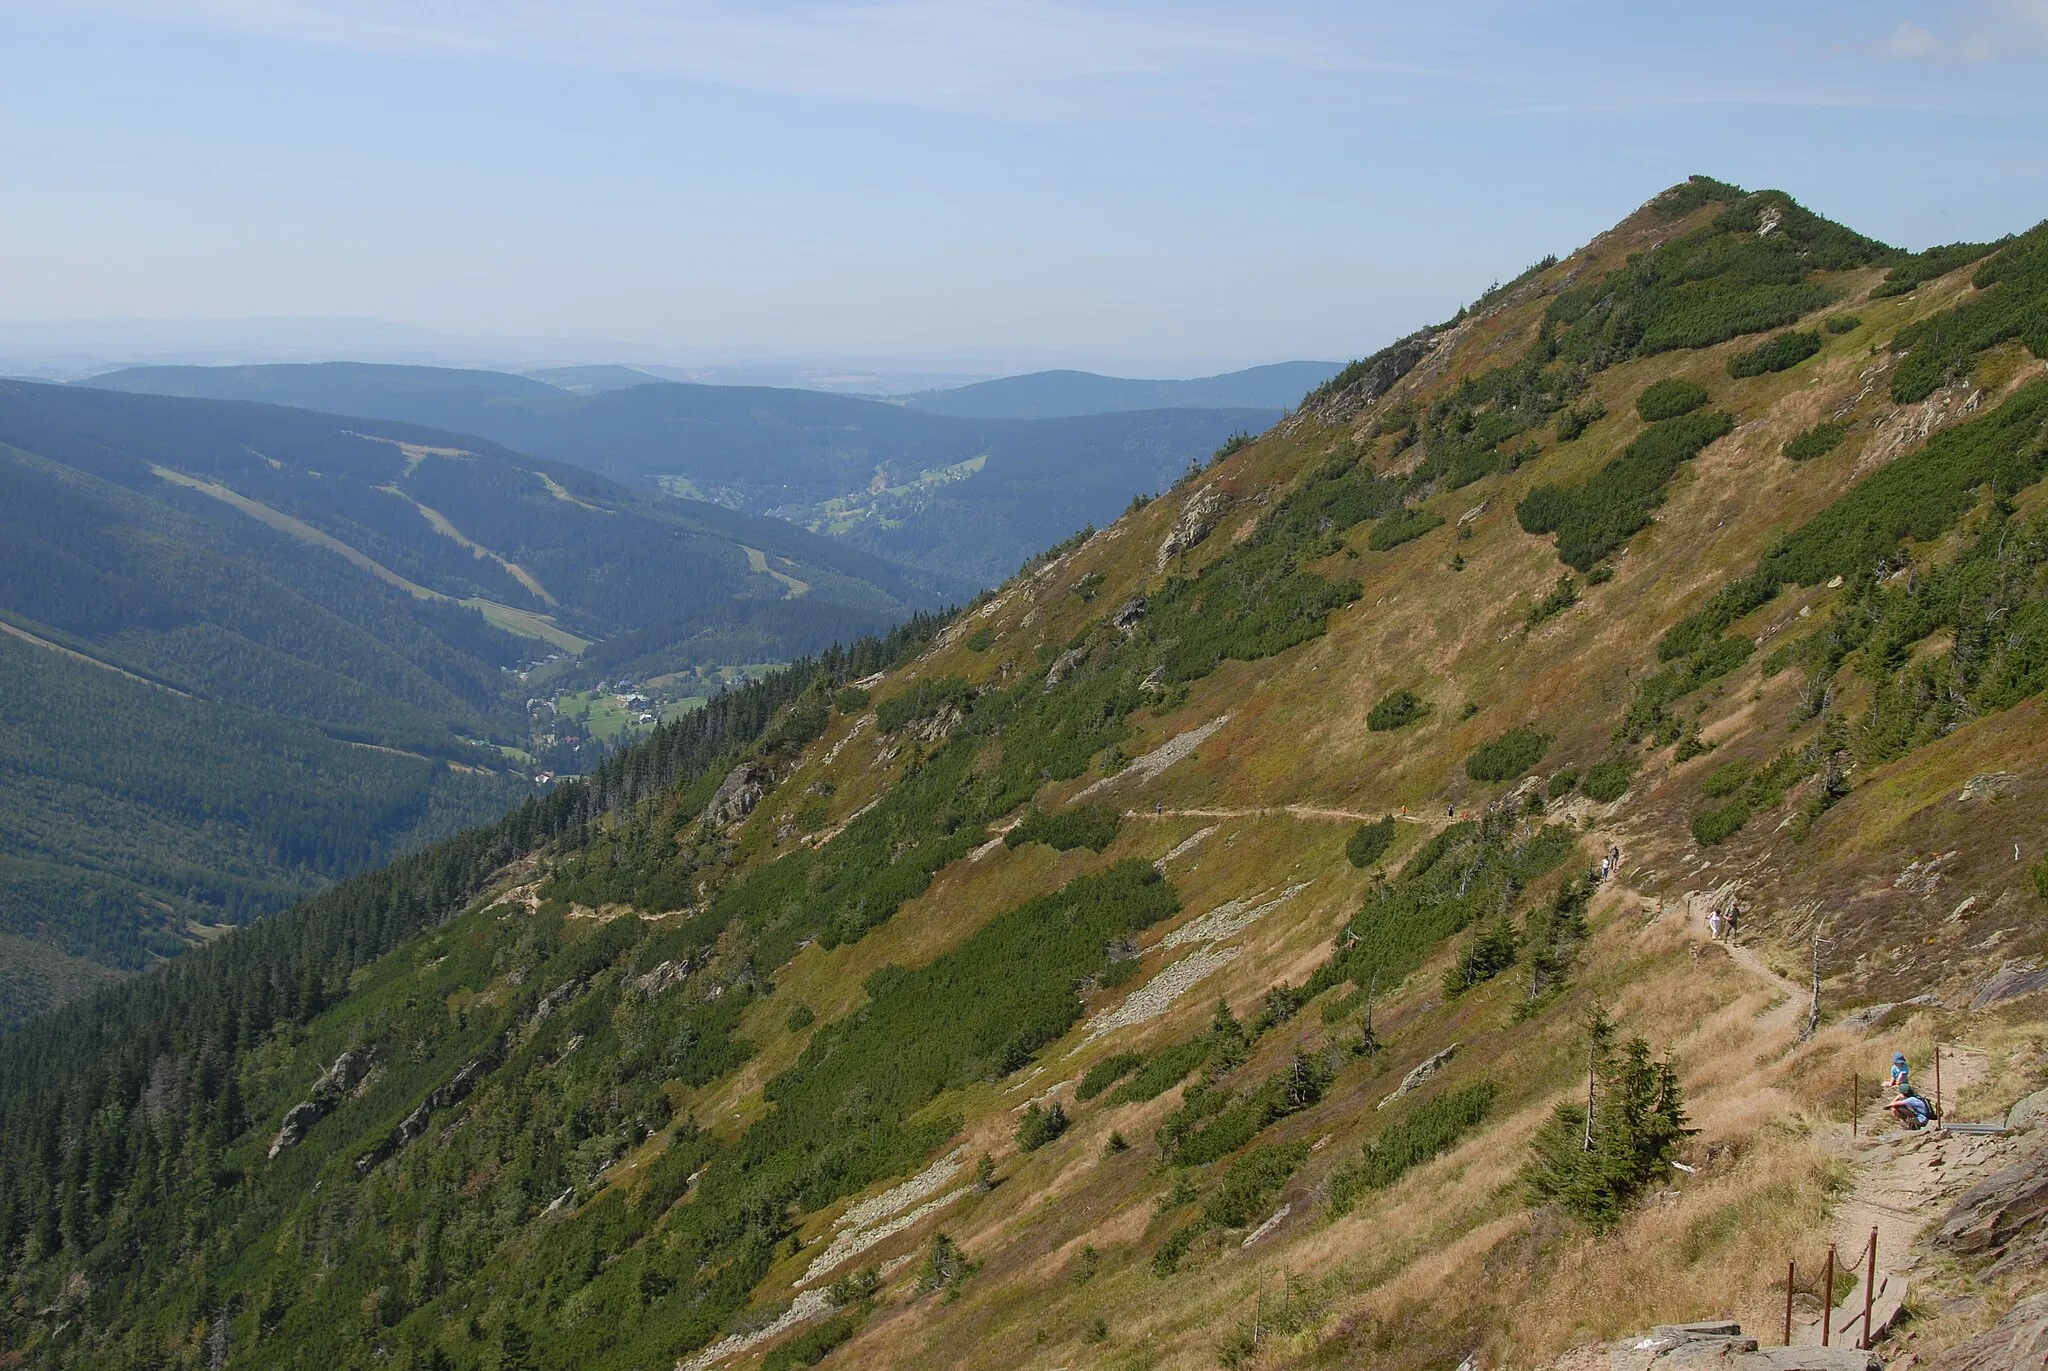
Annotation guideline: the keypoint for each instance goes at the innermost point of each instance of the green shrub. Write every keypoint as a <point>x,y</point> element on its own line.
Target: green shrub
<point>1040,1126</point>
<point>1467,872</point>
<point>1430,1129</point>
<point>1251,1183</point>
<point>1726,780</point>
<point>1593,519</point>
<point>1781,353</point>
<point>850,700</point>
<point>1638,1123</point>
<point>1185,1140</point>
<point>1917,497</point>
<point>801,1016</point>
<point>1489,952</point>
<point>1608,781</point>
<point>813,1345</point>
<point>1573,422</point>
<point>2040,874</point>
<point>1396,710</point>
<point>1162,1071</point>
<point>1817,441</point>
<point>1562,597</point>
<point>1508,756</point>
<point>921,701</point>
<point>1719,825</point>
<point>2010,301</point>
<point>1669,398</point>
<point>1908,275</point>
<point>1369,842</point>
<point>982,639</point>
<point>1716,282</point>
<point>1405,525</point>
<point>1563,784</point>
<point>1107,1073</point>
<point>1842,323</point>
<point>1091,826</point>
<point>1174,1250</point>
<point>1649,713</point>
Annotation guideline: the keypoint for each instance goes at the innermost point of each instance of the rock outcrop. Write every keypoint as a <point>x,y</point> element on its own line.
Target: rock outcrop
<point>1420,1074</point>
<point>2019,1339</point>
<point>1196,520</point>
<point>737,795</point>
<point>1717,1344</point>
<point>2002,1219</point>
<point>336,1081</point>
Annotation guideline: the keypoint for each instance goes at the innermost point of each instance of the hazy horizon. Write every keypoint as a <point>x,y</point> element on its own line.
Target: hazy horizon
<point>1001,186</point>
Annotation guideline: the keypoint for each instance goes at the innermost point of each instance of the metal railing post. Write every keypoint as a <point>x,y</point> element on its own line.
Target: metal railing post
<point>1827,1297</point>
<point>1869,1288</point>
<point>1791,1273</point>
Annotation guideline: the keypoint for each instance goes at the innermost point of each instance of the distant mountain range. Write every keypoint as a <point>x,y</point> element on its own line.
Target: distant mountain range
<point>1062,394</point>
<point>246,649</point>
<point>961,498</point>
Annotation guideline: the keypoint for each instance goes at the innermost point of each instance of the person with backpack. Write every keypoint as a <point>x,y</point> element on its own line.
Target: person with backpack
<point>1911,1110</point>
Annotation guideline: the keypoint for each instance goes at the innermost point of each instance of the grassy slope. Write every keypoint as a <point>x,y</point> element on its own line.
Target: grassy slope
<point>1376,1282</point>
<point>1449,1259</point>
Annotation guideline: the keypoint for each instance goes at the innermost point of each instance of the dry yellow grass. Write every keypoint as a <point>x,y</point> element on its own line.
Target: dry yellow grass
<point>1449,1259</point>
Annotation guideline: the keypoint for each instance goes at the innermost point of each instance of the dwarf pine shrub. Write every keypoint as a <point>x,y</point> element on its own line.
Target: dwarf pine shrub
<point>1369,842</point>
<point>1508,756</point>
<point>1669,398</point>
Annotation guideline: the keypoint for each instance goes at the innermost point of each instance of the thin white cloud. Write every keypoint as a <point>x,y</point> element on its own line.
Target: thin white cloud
<point>1908,42</point>
<point>1984,31</point>
<point>907,51</point>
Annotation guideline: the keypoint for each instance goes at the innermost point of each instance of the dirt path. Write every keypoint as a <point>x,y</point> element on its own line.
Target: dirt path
<point>1903,1181</point>
<point>1267,811</point>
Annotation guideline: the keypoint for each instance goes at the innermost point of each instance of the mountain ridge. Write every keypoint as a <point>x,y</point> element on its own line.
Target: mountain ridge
<point>845,466</point>
<point>699,1066</point>
<point>1069,394</point>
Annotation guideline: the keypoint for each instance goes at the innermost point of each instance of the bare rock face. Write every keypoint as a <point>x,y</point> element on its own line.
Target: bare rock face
<point>2018,1339</point>
<point>299,1118</point>
<point>2002,1218</point>
<point>1063,664</point>
<point>737,795</point>
<point>1128,615</point>
<point>1421,1073</point>
<point>939,725</point>
<point>1380,373</point>
<point>1197,518</point>
<point>336,1081</point>
<point>1716,1345</point>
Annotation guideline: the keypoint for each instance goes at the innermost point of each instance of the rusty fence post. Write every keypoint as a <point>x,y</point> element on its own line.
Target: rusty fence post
<point>1791,1274</point>
<point>1937,1081</point>
<point>1855,1089</point>
<point>1827,1297</point>
<point>1869,1288</point>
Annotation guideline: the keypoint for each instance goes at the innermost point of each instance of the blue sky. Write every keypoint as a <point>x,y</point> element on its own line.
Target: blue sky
<point>1136,186</point>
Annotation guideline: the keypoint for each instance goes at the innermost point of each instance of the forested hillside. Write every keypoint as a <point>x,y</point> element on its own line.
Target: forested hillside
<point>246,651</point>
<point>1269,932</point>
<point>963,499</point>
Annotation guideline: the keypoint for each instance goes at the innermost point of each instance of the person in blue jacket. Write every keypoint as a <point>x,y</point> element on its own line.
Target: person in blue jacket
<point>1911,1110</point>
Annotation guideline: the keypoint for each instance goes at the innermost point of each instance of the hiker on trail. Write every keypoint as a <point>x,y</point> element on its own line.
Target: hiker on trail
<point>1603,868</point>
<point>1714,923</point>
<point>1901,1077</point>
<point>1733,910</point>
<point>1911,1110</point>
